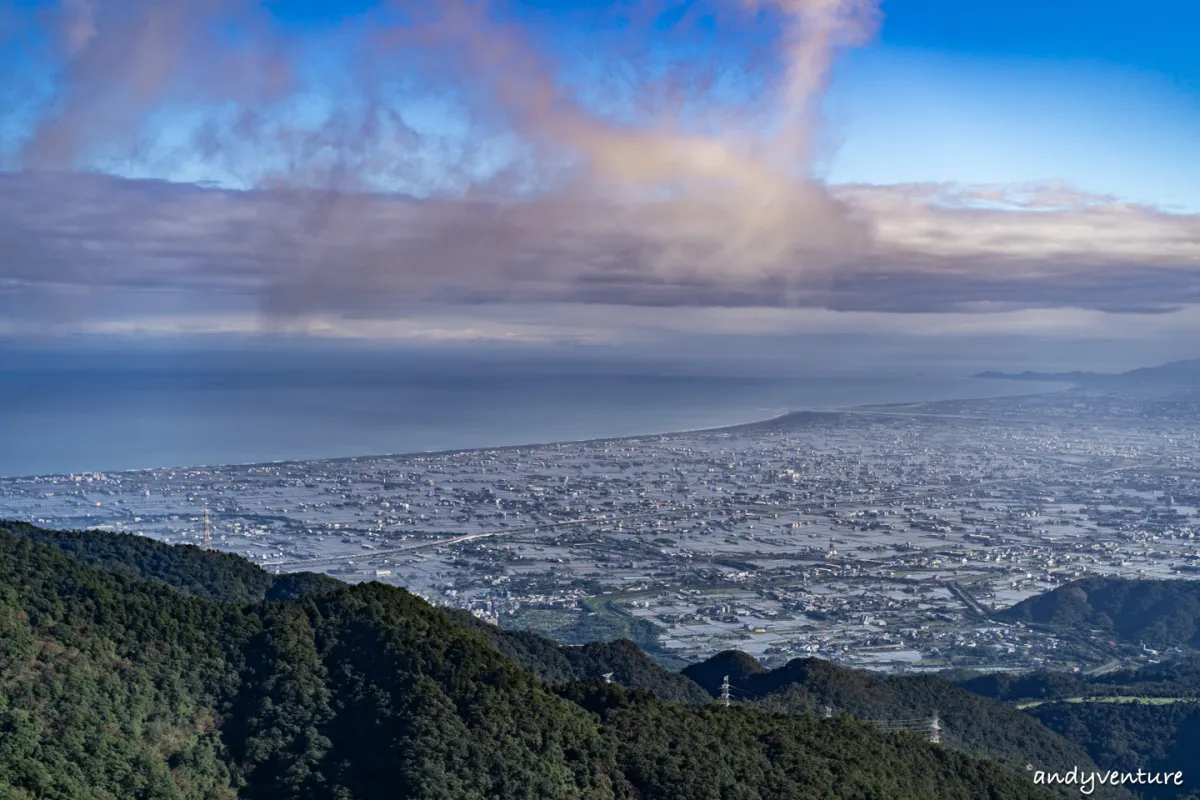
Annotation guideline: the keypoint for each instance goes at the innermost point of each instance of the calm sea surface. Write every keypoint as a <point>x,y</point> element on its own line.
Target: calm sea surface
<point>103,413</point>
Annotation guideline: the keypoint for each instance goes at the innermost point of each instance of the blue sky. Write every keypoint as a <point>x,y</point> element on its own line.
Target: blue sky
<point>512,173</point>
<point>1105,95</point>
<point>1157,36</point>
<point>912,115</point>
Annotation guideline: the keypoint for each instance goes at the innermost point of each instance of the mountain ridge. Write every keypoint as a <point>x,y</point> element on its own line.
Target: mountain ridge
<point>118,685</point>
<point>974,723</point>
<point>1160,613</point>
<point>1174,373</point>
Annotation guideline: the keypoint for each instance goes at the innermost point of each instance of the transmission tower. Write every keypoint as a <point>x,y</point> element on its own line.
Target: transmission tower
<point>206,531</point>
<point>607,677</point>
<point>725,692</point>
<point>827,712</point>
<point>935,729</point>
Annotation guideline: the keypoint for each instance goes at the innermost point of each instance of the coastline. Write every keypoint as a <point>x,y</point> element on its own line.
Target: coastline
<point>791,414</point>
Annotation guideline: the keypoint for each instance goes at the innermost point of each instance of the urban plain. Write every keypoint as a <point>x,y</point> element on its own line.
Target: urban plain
<point>878,537</point>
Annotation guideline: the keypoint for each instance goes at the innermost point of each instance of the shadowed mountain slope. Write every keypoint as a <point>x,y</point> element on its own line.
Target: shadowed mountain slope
<point>116,686</point>
<point>1160,613</point>
<point>970,722</point>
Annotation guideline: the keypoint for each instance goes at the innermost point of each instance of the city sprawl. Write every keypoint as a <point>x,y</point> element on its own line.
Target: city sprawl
<point>879,537</point>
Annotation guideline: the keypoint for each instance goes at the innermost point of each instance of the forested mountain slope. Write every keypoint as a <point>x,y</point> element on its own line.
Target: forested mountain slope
<point>1128,736</point>
<point>116,686</point>
<point>1160,613</point>
<point>187,569</point>
<point>973,723</point>
<point>1174,678</point>
<point>230,578</point>
<point>555,663</point>
<point>1127,719</point>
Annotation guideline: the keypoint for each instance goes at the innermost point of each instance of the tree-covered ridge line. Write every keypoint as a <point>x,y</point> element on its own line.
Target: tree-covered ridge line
<point>1119,717</point>
<point>1156,738</point>
<point>1176,678</point>
<point>227,577</point>
<point>975,724</point>
<point>1161,613</point>
<point>190,570</point>
<point>119,686</point>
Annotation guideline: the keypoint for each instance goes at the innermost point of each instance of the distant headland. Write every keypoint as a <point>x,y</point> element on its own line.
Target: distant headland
<point>1173,374</point>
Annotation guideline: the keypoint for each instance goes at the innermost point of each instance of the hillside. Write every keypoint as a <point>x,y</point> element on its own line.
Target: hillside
<point>191,571</point>
<point>118,686</point>
<point>1176,678</point>
<point>970,722</point>
<point>229,578</point>
<point>1128,719</point>
<point>1160,613</point>
<point>1173,374</point>
<point>555,663</point>
<point>1129,736</point>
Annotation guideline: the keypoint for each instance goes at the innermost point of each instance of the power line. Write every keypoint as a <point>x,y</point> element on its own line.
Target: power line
<point>206,531</point>
<point>931,726</point>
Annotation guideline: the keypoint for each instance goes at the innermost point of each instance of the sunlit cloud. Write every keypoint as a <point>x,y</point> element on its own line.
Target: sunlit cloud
<point>458,158</point>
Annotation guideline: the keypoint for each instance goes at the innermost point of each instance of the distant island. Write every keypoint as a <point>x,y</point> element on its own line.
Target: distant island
<point>1173,374</point>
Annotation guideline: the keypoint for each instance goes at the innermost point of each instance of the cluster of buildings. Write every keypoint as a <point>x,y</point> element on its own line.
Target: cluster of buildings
<point>879,536</point>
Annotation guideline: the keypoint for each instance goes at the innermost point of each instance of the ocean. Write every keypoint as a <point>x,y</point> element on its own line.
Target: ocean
<point>83,412</point>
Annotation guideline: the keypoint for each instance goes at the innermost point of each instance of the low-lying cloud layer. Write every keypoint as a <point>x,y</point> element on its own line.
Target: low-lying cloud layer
<point>533,186</point>
<point>304,251</point>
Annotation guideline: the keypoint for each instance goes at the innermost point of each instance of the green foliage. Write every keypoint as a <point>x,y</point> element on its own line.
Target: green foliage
<point>670,753</point>
<point>1160,613</point>
<point>109,691</point>
<point>630,666</point>
<point>1177,678</point>
<point>115,685</point>
<point>1132,736</point>
<point>979,725</point>
<point>294,585</point>
<point>188,569</point>
<point>1039,685</point>
<point>556,663</point>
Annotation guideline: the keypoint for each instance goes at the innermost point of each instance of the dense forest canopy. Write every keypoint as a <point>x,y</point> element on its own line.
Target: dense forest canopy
<point>1158,613</point>
<point>1174,678</point>
<point>1128,736</point>
<point>124,676</point>
<point>968,721</point>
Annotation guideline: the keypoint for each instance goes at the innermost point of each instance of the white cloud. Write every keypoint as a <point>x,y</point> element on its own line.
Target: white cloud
<point>593,211</point>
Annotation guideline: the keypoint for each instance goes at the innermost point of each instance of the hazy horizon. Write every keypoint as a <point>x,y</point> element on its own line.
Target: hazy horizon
<point>736,191</point>
<point>88,411</point>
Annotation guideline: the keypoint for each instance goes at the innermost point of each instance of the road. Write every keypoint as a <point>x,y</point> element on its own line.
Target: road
<point>425,544</point>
